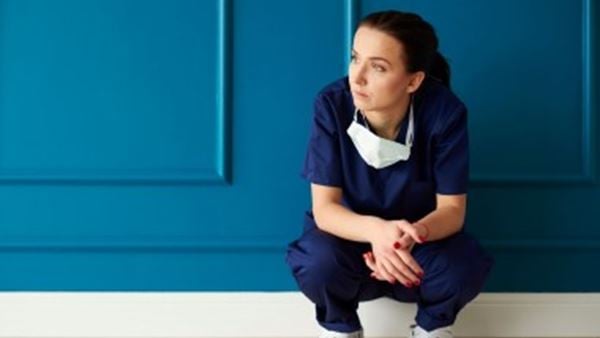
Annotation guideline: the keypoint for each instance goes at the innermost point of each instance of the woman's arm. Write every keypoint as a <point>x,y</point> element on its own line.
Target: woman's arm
<point>331,216</point>
<point>448,217</point>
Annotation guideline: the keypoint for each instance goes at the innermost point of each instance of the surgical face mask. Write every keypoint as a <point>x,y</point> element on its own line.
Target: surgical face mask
<point>379,152</point>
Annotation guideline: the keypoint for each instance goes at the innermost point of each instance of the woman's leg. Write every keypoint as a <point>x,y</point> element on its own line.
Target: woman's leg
<point>455,271</point>
<point>331,272</point>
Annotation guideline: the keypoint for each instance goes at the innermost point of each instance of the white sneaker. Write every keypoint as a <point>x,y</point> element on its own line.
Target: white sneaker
<point>442,332</point>
<point>333,334</point>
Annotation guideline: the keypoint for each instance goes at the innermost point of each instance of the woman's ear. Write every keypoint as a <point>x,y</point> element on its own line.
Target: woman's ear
<point>415,82</point>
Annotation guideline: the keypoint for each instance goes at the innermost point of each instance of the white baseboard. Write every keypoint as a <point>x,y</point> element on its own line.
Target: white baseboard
<point>277,314</point>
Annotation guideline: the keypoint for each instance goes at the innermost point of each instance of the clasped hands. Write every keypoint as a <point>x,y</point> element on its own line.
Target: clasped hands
<point>391,259</point>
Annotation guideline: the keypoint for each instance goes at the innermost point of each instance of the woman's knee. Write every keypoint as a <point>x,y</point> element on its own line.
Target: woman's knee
<point>317,259</point>
<point>463,264</point>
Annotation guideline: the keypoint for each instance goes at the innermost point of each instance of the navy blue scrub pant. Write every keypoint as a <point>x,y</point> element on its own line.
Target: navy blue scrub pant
<point>331,272</point>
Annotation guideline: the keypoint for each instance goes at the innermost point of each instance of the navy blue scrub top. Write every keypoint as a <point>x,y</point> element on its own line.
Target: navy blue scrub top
<point>438,163</point>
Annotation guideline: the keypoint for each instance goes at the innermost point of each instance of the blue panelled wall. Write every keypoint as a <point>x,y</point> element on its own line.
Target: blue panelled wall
<point>157,145</point>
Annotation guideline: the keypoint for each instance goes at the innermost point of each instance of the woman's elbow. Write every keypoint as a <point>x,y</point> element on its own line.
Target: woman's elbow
<point>320,213</point>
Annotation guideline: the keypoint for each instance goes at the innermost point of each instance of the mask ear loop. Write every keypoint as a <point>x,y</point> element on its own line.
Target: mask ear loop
<point>410,131</point>
<point>363,117</point>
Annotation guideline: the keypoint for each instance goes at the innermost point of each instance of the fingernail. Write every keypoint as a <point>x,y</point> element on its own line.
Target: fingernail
<point>423,239</point>
<point>397,245</point>
<point>417,282</point>
<point>420,273</point>
<point>409,285</point>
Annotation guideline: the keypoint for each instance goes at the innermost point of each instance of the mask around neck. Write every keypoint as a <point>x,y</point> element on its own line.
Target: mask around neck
<point>379,152</point>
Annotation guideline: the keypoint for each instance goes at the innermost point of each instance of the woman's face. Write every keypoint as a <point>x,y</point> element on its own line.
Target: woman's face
<point>377,74</point>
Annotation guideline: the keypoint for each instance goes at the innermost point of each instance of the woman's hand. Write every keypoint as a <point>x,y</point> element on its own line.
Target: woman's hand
<point>413,233</point>
<point>391,259</point>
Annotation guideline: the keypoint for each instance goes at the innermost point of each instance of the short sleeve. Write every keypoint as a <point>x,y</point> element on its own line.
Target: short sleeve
<point>322,161</point>
<point>451,155</point>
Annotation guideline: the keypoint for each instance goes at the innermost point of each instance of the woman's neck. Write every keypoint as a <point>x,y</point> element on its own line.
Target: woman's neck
<point>386,123</point>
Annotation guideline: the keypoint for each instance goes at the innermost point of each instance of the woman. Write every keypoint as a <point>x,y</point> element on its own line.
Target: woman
<point>388,165</point>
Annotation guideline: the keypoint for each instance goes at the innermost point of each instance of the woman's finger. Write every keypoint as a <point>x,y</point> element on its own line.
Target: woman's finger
<point>370,261</point>
<point>404,242</point>
<point>422,230</point>
<point>387,269</point>
<point>411,263</point>
<point>407,228</point>
<point>382,269</point>
<point>402,272</point>
<point>415,235</point>
<point>377,276</point>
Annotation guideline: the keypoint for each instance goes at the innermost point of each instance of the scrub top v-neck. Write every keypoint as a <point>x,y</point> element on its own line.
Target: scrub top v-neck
<point>438,163</point>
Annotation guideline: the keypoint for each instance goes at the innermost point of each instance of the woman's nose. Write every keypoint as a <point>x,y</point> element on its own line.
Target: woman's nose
<point>358,76</point>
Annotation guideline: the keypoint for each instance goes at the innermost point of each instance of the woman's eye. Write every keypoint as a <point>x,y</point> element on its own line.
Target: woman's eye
<point>379,68</point>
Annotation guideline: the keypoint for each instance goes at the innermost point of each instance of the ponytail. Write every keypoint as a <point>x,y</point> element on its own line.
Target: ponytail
<point>440,69</point>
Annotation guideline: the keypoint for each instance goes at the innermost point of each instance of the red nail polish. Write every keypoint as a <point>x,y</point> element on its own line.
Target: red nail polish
<point>397,245</point>
<point>422,238</point>
<point>417,283</point>
<point>409,285</point>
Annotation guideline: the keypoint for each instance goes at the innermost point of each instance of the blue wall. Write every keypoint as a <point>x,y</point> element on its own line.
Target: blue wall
<point>156,145</point>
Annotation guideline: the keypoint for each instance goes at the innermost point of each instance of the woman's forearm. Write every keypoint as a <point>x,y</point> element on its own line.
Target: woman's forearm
<point>338,220</point>
<point>342,222</point>
<point>443,222</point>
